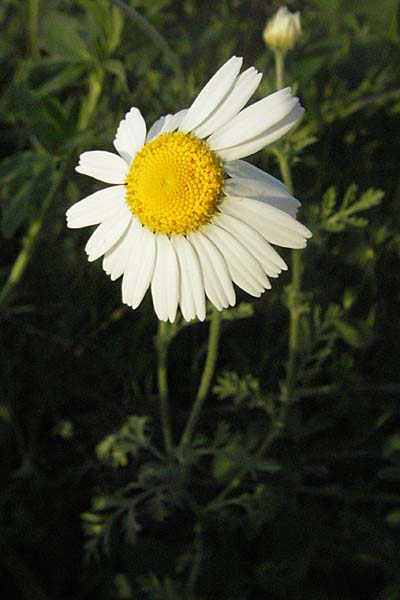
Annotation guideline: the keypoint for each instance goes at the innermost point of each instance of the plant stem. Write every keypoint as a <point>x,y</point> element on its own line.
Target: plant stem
<point>279,68</point>
<point>208,372</point>
<point>294,311</point>
<point>162,343</point>
<point>29,242</point>
<point>294,307</point>
<point>154,35</point>
<point>198,551</point>
<point>89,103</point>
<point>241,472</point>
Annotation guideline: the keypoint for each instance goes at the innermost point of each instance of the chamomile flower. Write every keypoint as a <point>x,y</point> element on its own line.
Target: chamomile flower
<point>283,30</point>
<point>184,215</point>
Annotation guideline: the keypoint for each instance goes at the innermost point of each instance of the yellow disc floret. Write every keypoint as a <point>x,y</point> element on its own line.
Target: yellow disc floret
<point>174,184</point>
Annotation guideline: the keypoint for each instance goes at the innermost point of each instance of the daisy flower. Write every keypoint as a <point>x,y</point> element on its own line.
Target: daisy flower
<point>184,214</point>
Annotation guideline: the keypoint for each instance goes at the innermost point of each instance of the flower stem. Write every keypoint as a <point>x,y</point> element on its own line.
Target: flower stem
<point>162,343</point>
<point>294,308</point>
<point>29,242</point>
<point>279,68</point>
<point>208,372</point>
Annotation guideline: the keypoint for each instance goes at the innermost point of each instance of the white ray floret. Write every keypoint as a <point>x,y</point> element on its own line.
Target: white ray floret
<point>116,259</point>
<point>104,166</point>
<point>165,281</point>
<point>185,217</point>
<point>244,87</point>
<point>96,208</point>
<point>212,94</point>
<point>108,233</point>
<point>254,120</point>
<point>131,134</point>
<point>243,268</point>
<point>140,269</point>
<point>217,282</point>
<point>192,299</point>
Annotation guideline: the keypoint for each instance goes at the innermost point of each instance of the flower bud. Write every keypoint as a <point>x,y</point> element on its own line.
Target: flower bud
<point>282,31</point>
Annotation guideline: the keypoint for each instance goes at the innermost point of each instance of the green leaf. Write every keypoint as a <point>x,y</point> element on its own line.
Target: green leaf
<point>355,333</point>
<point>68,75</point>
<point>61,38</point>
<point>24,180</point>
<point>244,310</point>
<point>117,68</point>
<point>131,527</point>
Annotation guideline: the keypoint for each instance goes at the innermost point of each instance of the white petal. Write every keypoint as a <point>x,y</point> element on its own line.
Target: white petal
<point>267,256</point>
<point>192,299</point>
<point>254,120</point>
<point>276,226</point>
<point>158,127</point>
<point>116,259</point>
<point>108,233</point>
<point>96,208</point>
<point>140,267</point>
<point>131,134</point>
<point>212,94</point>
<point>270,136</point>
<point>165,282</point>
<point>242,90</point>
<point>243,268</point>
<point>264,191</point>
<point>243,169</point>
<point>217,282</point>
<point>165,124</point>
<point>104,166</point>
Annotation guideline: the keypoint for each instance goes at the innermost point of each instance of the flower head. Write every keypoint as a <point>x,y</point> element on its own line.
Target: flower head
<point>184,214</point>
<point>282,31</point>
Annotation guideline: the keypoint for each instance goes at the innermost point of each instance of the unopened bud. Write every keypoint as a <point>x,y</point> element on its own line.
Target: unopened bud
<point>282,31</point>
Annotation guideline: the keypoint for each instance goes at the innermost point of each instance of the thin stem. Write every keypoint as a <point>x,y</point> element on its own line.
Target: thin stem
<point>89,103</point>
<point>288,394</point>
<point>162,343</point>
<point>198,551</point>
<point>241,472</point>
<point>279,69</point>
<point>294,330</point>
<point>29,242</point>
<point>208,372</point>
<point>154,35</point>
<point>286,171</point>
<point>294,306</point>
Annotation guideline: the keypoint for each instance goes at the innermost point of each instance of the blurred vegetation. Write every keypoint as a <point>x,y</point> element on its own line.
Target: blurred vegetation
<point>275,498</point>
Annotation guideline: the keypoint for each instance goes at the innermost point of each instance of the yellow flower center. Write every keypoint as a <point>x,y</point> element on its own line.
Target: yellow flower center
<point>174,184</point>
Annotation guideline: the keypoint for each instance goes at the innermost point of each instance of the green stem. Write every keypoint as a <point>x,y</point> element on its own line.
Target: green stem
<point>294,306</point>
<point>29,242</point>
<point>279,68</point>
<point>241,472</point>
<point>198,552</point>
<point>154,35</point>
<point>89,103</point>
<point>163,341</point>
<point>288,395</point>
<point>208,372</point>
<point>32,26</point>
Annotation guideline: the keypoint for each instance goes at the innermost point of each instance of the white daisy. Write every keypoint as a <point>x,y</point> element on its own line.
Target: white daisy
<point>185,215</point>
